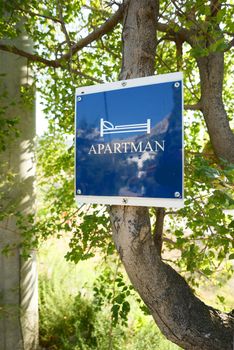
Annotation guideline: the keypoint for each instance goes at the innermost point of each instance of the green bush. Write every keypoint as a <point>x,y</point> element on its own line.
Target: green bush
<point>144,335</point>
<point>76,308</point>
<point>70,322</point>
<point>66,323</point>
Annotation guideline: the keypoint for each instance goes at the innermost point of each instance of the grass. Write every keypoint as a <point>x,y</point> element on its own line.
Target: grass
<point>68,317</point>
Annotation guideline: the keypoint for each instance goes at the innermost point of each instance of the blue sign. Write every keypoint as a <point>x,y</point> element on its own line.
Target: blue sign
<point>129,142</point>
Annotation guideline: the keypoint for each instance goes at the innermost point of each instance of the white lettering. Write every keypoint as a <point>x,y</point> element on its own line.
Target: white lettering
<point>117,148</point>
<point>107,149</point>
<point>100,147</point>
<point>148,147</point>
<point>127,147</point>
<point>92,149</point>
<point>137,148</point>
<point>157,144</point>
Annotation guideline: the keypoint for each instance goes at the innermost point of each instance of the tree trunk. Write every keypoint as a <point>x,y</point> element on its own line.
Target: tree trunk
<point>18,277</point>
<point>211,75</point>
<point>181,316</point>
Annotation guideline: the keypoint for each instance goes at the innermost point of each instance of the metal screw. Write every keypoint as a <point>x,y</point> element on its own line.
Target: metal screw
<point>123,83</point>
<point>177,194</point>
<point>125,201</point>
<point>79,99</point>
<point>177,84</point>
<point>78,191</point>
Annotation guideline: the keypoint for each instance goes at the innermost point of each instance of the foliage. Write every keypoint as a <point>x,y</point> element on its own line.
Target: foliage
<point>208,182</point>
<point>202,228</point>
<point>111,289</point>
<point>65,322</point>
<point>144,336</point>
<point>76,319</point>
<point>199,237</point>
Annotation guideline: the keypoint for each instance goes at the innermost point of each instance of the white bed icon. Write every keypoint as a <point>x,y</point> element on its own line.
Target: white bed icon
<point>108,128</point>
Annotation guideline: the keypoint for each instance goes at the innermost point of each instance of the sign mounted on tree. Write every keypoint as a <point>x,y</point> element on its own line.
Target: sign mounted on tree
<point>129,142</point>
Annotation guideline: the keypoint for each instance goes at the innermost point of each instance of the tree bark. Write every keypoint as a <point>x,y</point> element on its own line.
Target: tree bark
<point>139,38</point>
<point>211,70</point>
<point>18,277</point>
<point>182,317</point>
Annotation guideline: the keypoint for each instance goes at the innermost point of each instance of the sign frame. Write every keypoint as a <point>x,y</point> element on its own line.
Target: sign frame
<point>178,201</point>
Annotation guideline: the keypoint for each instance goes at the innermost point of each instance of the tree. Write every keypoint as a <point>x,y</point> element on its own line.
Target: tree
<point>194,27</point>
<point>18,273</point>
<point>181,316</point>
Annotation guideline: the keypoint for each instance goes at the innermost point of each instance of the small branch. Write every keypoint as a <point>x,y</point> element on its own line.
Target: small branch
<point>168,240</point>
<point>190,16</point>
<point>158,230</point>
<point>67,37</point>
<point>63,26</point>
<point>171,213</point>
<point>86,76</point>
<point>192,88</point>
<point>107,49</point>
<point>227,32</point>
<point>215,7</point>
<point>72,214</point>
<point>113,296</point>
<point>161,14</point>
<point>99,10</point>
<point>179,53</point>
<point>95,35</point>
<point>169,260</point>
<point>36,14</point>
<point>183,33</point>
<point>31,57</point>
<point>163,62</point>
<point>164,38</point>
<point>193,107</point>
<point>229,45</point>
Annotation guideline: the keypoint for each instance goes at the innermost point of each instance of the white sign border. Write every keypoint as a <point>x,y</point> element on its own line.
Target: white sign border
<point>129,83</point>
<point>133,201</point>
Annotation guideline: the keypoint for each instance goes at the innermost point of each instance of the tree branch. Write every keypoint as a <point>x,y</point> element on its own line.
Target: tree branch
<point>194,107</point>
<point>66,34</point>
<point>179,53</point>
<point>158,230</point>
<point>36,14</point>
<point>180,315</point>
<point>168,240</point>
<point>215,7</point>
<point>189,15</point>
<point>30,56</point>
<point>99,10</point>
<point>183,33</point>
<point>95,35</point>
<point>86,76</point>
<point>63,26</point>
<point>229,45</point>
